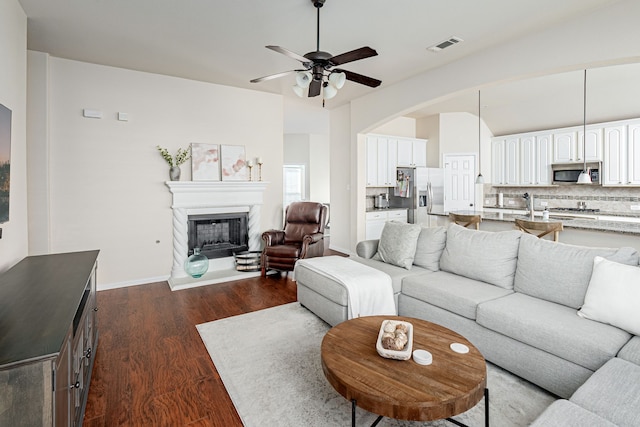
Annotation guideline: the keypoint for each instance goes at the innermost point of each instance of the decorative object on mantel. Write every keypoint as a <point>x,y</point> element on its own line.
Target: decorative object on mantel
<point>479,178</point>
<point>250,166</point>
<point>233,163</point>
<point>585,175</point>
<point>182,155</point>
<point>205,162</point>
<point>260,163</point>
<point>197,264</point>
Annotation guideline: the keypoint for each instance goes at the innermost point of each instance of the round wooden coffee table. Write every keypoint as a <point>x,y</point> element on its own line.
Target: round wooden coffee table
<point>451,385</point>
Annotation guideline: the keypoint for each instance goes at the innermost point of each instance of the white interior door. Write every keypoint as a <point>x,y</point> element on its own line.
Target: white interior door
<point>460,178</point>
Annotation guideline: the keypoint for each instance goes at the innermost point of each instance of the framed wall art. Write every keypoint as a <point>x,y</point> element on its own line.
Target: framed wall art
<point>233,163</point>
<point>205,162</point>
<point>5,162</point>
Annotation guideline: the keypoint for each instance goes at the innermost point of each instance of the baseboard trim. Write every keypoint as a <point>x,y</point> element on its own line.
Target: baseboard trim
<point>116,285</point>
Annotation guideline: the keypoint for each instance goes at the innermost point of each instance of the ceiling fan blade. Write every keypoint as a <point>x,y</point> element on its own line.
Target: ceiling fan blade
<point>359,78</point>
<point>354,55</point>
<point>288,53</point>
<point>314,88</point>
<point>272,76</point>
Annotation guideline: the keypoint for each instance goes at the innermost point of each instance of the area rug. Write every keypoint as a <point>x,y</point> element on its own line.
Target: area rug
<point>269,361</point>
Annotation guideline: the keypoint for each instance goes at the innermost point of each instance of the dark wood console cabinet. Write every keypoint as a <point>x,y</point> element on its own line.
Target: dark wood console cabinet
<point>48,339</point>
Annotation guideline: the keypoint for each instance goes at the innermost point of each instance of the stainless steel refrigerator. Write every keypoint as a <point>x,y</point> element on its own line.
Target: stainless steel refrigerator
<point>421,191</point>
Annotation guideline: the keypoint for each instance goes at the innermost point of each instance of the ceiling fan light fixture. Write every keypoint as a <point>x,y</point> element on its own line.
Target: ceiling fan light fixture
<point>303,79</point>
<point>337,79</point>
<point>299,91</point>
<point>329,91</point>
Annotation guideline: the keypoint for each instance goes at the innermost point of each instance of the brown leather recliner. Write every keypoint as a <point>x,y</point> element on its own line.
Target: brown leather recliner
<point>302,237</point>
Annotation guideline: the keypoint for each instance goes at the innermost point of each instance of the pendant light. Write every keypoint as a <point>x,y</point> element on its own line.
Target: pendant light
<point>479,178</point>
<point>585,176</point>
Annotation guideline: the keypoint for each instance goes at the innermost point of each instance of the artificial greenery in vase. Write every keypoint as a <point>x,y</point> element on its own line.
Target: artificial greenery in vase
<point>182,155</point>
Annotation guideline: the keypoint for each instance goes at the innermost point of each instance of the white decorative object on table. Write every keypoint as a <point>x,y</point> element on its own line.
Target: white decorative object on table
<point>385,328</point>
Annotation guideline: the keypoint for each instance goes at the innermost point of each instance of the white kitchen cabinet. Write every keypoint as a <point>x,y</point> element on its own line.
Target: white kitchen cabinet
<point>543,147</point>
<point>372,161</point>
<point>593,145</point>
<point>633,148</point>
<point>528,160</point>
<point>381,161</point>
<point>412,152</point>
<point>512,161</point>
<point>375,221</point>
<point>564,147</point>
<point>615,155</point>
<point>497,161</point>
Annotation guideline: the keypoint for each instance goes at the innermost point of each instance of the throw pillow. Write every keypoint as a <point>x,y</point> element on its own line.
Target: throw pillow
<point>397,244</point>
<point>430,245</point>
<point>613,295</point>
<point>488,256</point>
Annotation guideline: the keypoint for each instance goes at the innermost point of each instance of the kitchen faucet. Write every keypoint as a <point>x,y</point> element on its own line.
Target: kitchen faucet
<point>529,200</point>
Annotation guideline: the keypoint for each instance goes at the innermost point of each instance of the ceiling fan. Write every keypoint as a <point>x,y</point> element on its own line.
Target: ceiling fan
<point>318,72</point>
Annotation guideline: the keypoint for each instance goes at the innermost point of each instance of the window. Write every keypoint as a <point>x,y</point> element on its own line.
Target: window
<point>294,184</point>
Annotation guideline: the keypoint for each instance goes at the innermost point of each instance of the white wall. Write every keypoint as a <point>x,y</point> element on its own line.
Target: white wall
<point>320,159</point>
<point>106,177</point>
<point>400,126</point>
<point>13,94</point>
<point>343,199</point>
<point>605,36</point>
<point>429,128</point>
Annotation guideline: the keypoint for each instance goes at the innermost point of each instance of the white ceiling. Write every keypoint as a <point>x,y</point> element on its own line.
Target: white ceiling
<point>222,41</point>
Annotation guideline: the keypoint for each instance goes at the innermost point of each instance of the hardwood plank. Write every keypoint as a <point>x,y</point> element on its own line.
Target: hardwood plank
<point>151,366</point>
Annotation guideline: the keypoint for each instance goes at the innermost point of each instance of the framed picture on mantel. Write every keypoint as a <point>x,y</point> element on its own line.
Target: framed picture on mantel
<point>205,162</point>
<point>234,167</point>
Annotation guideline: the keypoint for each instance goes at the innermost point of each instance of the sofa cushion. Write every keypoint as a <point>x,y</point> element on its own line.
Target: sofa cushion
<point>613,295</point>
<point>430,245</point>
<point>553,328</point>
<point>559,272</point>
<point>457,294</point>
<point>397,244</point>
<point>613,392</point>
<point>397,273</point>
<point>631,351</point>
<point>482,255</point>
<point>567,414</point>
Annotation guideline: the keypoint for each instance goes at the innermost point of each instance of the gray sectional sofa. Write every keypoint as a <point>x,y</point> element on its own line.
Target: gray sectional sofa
<point>519,299</point>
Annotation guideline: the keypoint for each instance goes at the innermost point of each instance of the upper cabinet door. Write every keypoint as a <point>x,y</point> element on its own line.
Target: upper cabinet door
<point>372,161</point>
<point>593,145</point>
<point>633,145</point>
<point>405,152</point>
<point>420,153</point>
<point>543,159</point>
<point>528,160</point>
<point>512,161</point>
<point>615,151</point>
<point>497,161</point>
<point>564,147</point>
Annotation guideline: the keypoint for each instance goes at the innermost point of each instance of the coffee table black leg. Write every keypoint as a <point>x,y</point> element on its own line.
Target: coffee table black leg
<point>353,415</point>
<point>486,412</point>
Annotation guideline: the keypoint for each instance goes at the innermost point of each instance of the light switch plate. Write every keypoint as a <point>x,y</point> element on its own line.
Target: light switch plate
<point>92,114</point>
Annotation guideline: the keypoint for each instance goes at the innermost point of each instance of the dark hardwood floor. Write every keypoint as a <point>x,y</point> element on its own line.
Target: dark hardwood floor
<point>151,367</point>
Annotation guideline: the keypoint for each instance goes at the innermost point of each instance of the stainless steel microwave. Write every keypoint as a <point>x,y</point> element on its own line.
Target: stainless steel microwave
<point>568,173</point>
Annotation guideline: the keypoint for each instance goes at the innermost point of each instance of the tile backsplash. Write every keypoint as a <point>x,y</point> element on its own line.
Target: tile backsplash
<point>607,199</point>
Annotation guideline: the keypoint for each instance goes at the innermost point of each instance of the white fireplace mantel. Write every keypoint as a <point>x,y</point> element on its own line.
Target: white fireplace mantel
<point>192,197</point>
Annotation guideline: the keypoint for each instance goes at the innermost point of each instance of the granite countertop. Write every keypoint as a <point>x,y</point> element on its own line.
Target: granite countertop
<point>576,212</point>
<point>385,209</point>
<point>575,222</point>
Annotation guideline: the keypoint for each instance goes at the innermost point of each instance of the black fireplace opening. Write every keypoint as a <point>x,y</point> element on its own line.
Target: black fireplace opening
<point>218,235</point>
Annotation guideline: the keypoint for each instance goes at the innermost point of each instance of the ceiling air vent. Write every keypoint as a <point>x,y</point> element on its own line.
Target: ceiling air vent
<point>445,44</point>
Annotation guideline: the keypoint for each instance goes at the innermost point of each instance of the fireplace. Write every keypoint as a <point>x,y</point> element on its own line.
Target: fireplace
<point>218,235</point>
<point>220,210</point>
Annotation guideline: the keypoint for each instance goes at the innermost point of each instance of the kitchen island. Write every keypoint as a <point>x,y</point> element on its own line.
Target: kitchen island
<point>599,230</point>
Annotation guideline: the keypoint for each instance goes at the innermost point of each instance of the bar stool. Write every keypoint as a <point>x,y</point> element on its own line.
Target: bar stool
<point>540,228</point>
<point>466,220</point>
